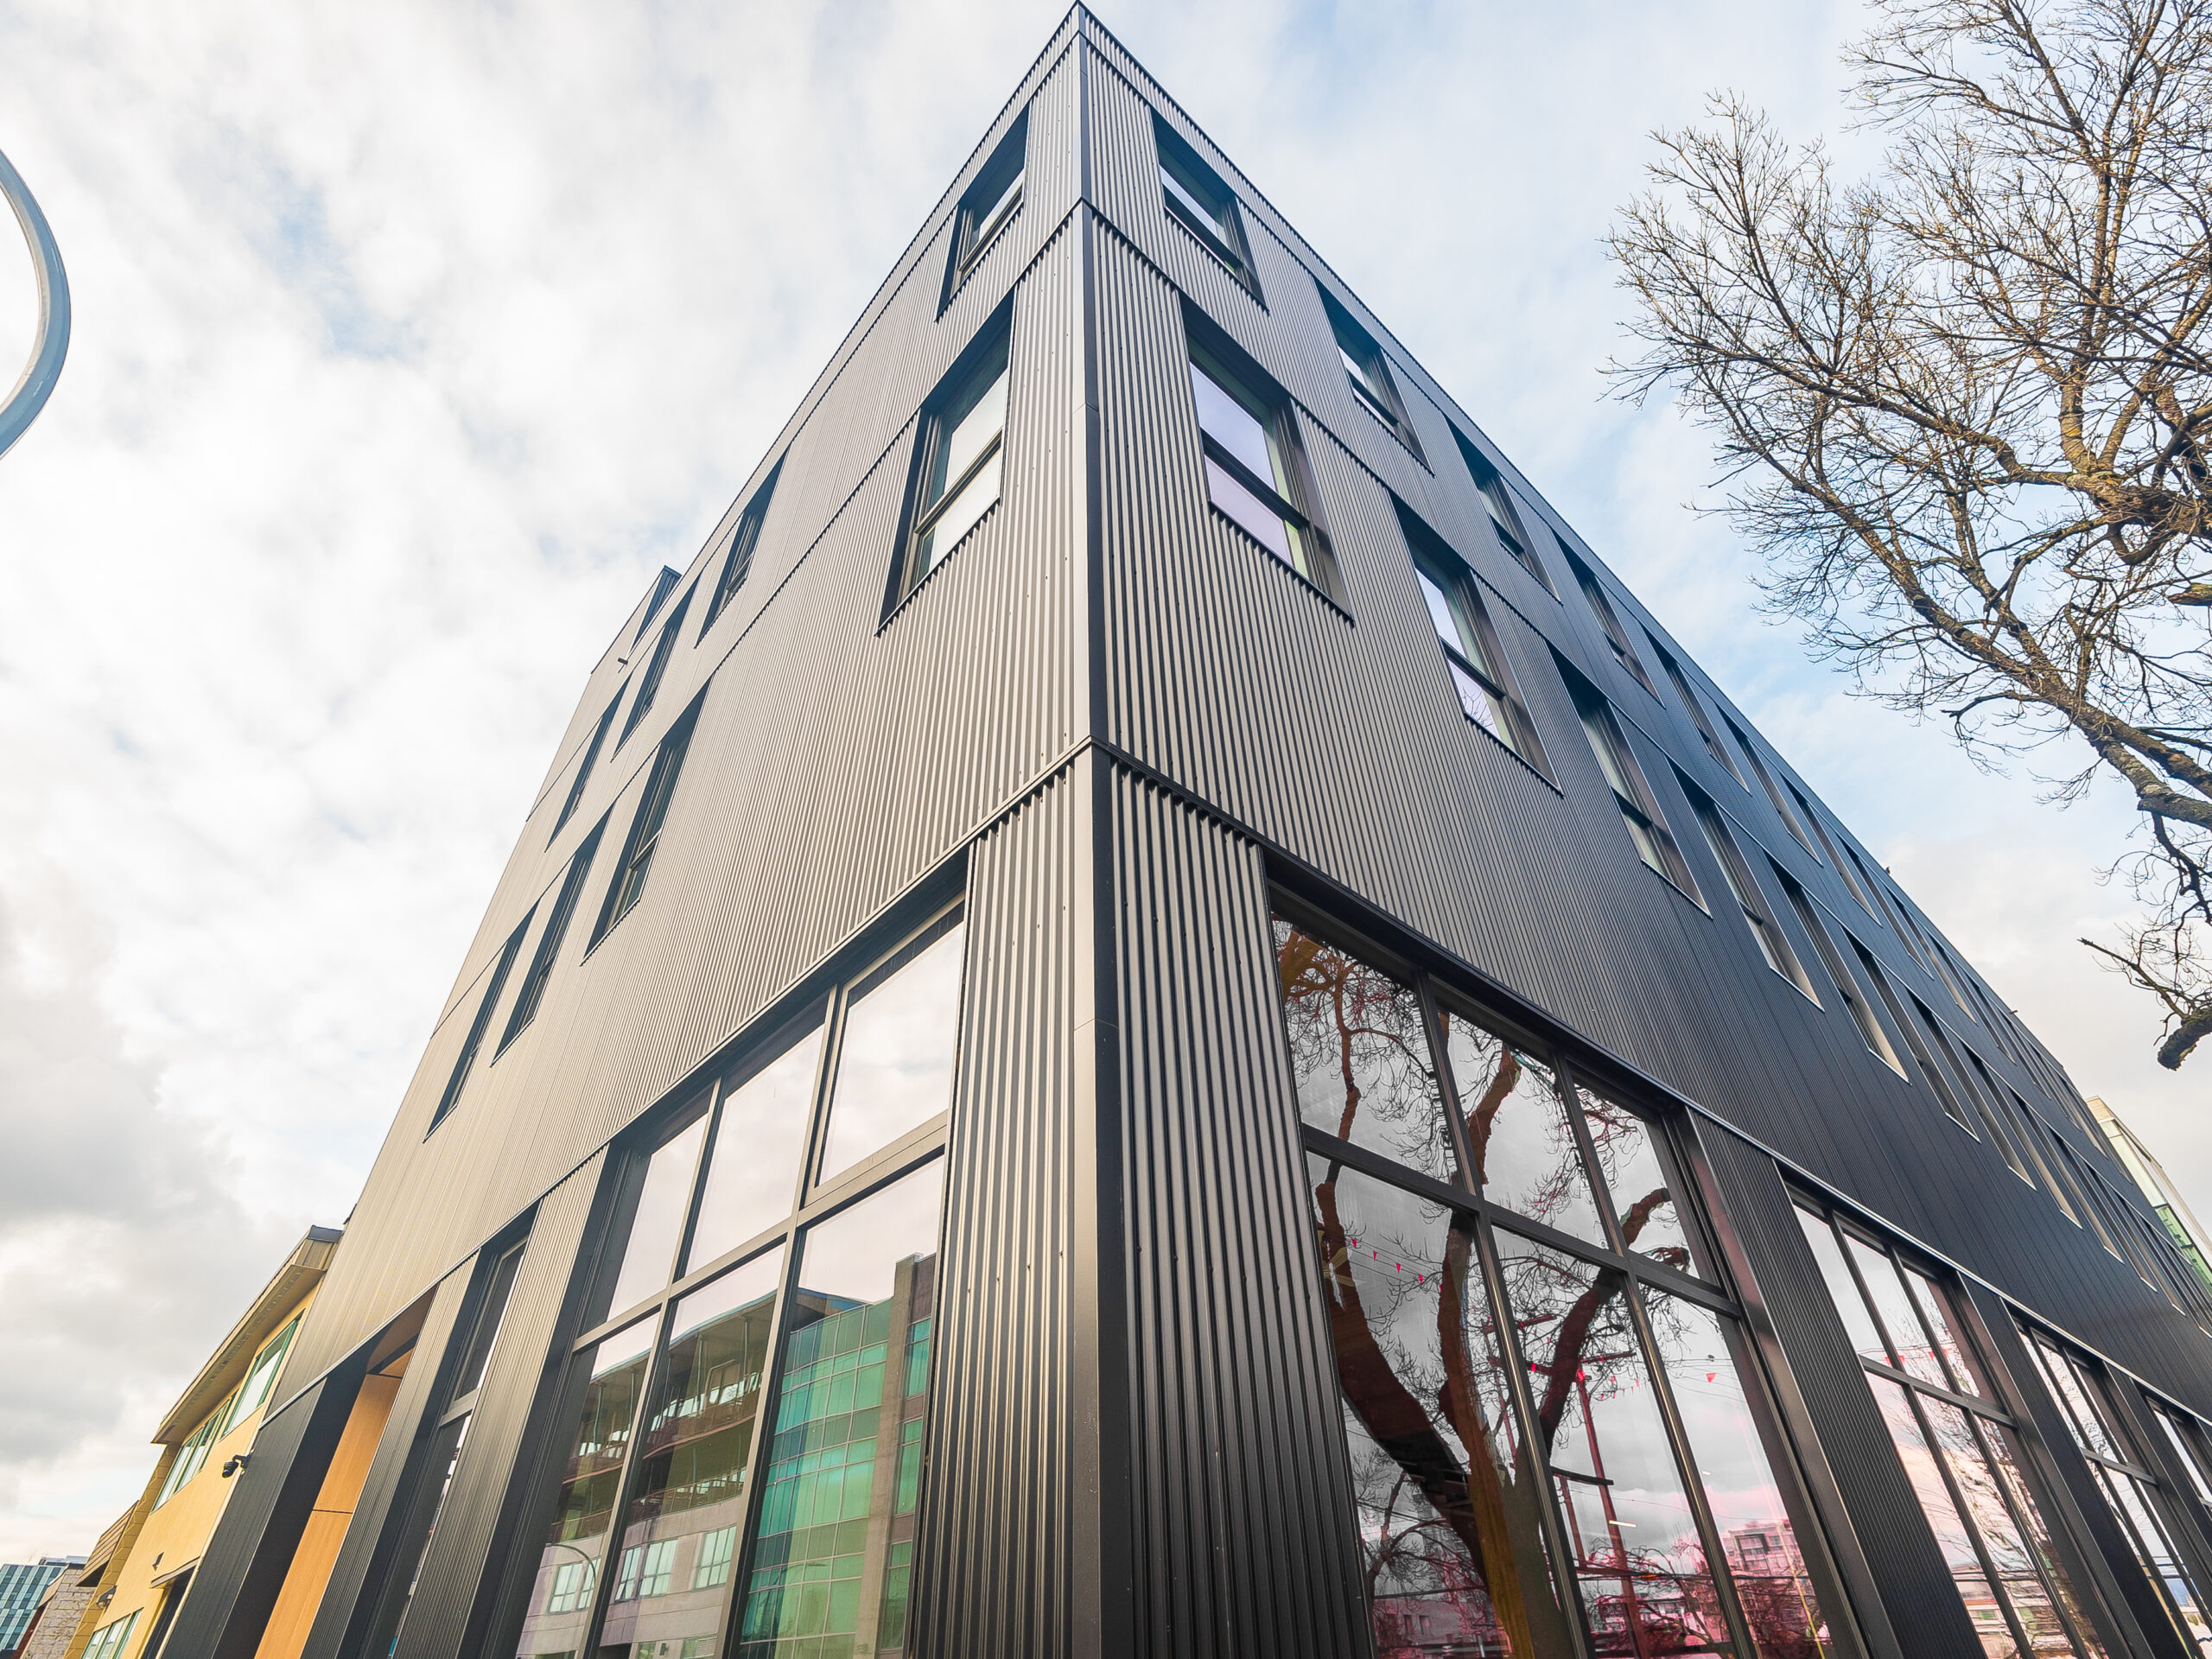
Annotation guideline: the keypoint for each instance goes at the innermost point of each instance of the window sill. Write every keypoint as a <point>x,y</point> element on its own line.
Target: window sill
<point>1280,563</point>
<point>961,273</point>
<point>1528,766</point>
<point>950,553</point>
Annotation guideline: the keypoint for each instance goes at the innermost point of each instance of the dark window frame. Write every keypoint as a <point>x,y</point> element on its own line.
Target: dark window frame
<point>1197,198</point>
<point>1502,512</point>
<point>649,682</point>
<point>1869,1024</point>
<point>1773,789</point>
<point>1609,621</point>
<point>547,956</point>
<point>1368,372</point>
<point>585,767</point>
<point>1743,886</point>
<point>466,1060</point>
<point>1210,352</point>
<point>1655,846</point>
<point>1435,562</point>
<point>993,201</point>
<point>743,543</point>
<point>1695,708</point>
<point>647,825</point>
<point>983,363</point>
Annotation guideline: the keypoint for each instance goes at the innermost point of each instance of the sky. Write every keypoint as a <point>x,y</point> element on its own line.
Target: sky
<point>412,339</point>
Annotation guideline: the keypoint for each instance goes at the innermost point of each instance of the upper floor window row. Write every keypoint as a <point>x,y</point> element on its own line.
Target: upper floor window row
<point>1504,517</point>
<point>1369,372</point>
<point>1198,200</point>
<point>1256,472</point>
<point>959,462</point>
<point>737,562</point>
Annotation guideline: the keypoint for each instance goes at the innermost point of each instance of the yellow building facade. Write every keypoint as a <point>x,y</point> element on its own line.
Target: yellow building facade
<point>207,1439</point>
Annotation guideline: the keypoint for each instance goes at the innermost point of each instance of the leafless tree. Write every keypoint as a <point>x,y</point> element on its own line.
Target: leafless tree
<point>1963,404</point>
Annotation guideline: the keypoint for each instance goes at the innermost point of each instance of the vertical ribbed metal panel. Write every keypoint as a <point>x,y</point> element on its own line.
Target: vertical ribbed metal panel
<point>1920,1603</point>
<point>1242,1541</point>
<point>1001,1572</point>
<point>469,1545</point>
<point>832,767</point>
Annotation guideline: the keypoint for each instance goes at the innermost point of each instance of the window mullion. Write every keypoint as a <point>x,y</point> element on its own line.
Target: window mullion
<point>1972,1528</point>
<point>950,493</point>
<point>610,1569</point>
<point>1265,489</point>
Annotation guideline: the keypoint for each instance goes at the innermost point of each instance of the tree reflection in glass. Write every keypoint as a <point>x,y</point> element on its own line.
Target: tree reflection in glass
<point>1628,1158</point>
<point>576,1547</point>
<point>1639,1559</point>
<point>1447,1507</point>
<point>1517,1131</point>
<point>1360,1055</point>
<point>679,1533</point>
<point>1698,1351</point>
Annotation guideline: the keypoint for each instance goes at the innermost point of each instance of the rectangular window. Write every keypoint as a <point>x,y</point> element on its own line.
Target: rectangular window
<point>549,943</point>
<point>253,1393</point>
<point>629,883</point>
<point>1773,942</point>
<point>1504,517</point>
<point>112,1637</point>
<point>737,564</point>
<point>1846,987</point>
<point>1196,199</point>
<point>1602,608</point>
<point>1806,815</point>
<point>961,461</point>
<point>491,1313</point>
<point>1938,1078</point>
<point>1773,792</point>
<point>2185,1434</point>
<point>649,682</point>
<point>1256,472</point>
<point>1480,675</point>
<point>759,1414</point>
<point>584,766</point>
<point>482,1022</point>
<point>664,585</point>
<point>991,201</point>
<point>1695,709</point>
<point>2029,1134</point>
<point>1959,1450</point>
<point>189,1457</point>
<point>1991,1102</point>
<point>1647,827</point>
<point>1369,372</point>
<point>2138,1505</point>
<point>1640,1438</point>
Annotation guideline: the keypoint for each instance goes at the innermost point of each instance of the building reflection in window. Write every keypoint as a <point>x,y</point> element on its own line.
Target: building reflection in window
<point>679,1532</point>
<point>575,1549</point>
<point>832,1567</point>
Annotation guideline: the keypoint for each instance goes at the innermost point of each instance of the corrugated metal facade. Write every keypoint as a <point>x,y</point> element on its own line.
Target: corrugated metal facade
<point>1118,720</point>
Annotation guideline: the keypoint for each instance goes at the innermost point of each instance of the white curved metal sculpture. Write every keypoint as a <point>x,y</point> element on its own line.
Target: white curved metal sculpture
<point>51,344</point>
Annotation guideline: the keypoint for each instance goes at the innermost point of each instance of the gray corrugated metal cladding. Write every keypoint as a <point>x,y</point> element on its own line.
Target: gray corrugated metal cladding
<point>1134,1019</point>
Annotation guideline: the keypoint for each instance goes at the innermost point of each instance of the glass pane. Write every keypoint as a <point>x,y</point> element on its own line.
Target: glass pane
<point>1699,1352</point>
<point>753,1171</point>
<point>2076,1401</point>
<point>1639,1559</point>
<point>2154,1553</point>
<point>975,498</point>
<point>423,1525</point>
<point>894,1060</point>
<point>1441,613</point>
<point>1643,1203</point>
<point>2185,1453</point>
<point>833,1563</point>
<point>672,1583</point>
<point>1517,1130</point>
<point>1482,708</point>
<point>967,426</point>
<point>1359,1055</point>
<point>1899,1316</point>
<point>987,221</point>
<point>253,1393</point>
<point>1951,1535</point>
<point>2003,1456</point>
<point>576,1547</point>
<point>488,1319</point>
<point>1931,1301</point>
<point>1251,514</point>
<point>1230,423</point>
<point>2009,1553</point>
<point>1451,1544</point>
<point>1850,1305</point>
<point>649,1257</point>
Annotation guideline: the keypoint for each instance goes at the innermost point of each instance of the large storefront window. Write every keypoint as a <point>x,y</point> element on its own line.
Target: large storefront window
<point>742,1466</point>
<point>1600,1457</point>
<point>1959,1450</point>
<point>2133,1493</point>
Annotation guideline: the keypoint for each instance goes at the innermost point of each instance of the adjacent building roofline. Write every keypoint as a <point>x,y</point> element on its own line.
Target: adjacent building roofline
<point>302,1271</point>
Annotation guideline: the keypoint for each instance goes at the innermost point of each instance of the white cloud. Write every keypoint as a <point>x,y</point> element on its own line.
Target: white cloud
<point>411,337</point>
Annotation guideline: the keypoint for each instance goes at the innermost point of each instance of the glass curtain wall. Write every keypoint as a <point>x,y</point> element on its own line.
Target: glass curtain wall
<point>1959,1449</point>
<point>741,1465</point>
<point>2131,1490</point>
<point>1556,1442</point>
